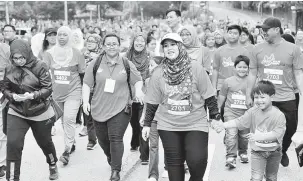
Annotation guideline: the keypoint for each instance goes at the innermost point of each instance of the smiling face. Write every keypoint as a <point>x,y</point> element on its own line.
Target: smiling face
<point>111,46</point>
<point>51,38</point>
<point>171,49</point>
<point>210,41</point>
<point>186,37</point>
<point>172,19</point>
<point>139,44</point>
<point>263,101</point>
<point>91,44</point>
<point>243,38</point>
<point>242,69</point>
<point>270,34</point>
<point>152,45</point>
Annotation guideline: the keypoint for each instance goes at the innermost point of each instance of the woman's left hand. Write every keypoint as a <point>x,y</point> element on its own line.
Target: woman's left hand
<point>24,97</point>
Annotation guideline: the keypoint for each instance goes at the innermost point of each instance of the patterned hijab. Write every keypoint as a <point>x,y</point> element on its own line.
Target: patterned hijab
<point>139,59</point>
<point>175,71</point>
<point>90,55</point>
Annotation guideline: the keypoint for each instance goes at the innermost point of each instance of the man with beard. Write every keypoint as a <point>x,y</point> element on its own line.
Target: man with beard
<point>281,63</point>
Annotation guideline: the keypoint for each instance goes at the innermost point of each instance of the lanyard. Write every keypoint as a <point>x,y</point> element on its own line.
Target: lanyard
<point>110,71</point>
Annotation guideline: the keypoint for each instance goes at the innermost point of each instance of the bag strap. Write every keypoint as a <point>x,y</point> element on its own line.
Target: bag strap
<point>30,73</point>
<point>127,69</point>
<point>96,66</point>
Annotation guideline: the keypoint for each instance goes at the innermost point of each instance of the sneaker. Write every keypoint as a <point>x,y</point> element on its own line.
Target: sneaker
<point>91,145</point>
<point>165,174</point>
<point>53,172</point>
<point>152,179</point>
<point>65,158</point>
<point>284,160</point>
<point>2,171</point>
<point>133,149</point>
<point>73,149</point>
<point>54,131</point>
<point>231,162</point>
<point>144,162</point>
<point>243,158</point>
<point>83,131</point>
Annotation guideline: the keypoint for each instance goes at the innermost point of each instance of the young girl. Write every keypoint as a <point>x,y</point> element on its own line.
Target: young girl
<point>233,94</point>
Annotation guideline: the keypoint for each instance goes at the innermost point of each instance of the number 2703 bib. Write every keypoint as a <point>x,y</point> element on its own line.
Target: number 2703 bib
<point>62,77</point>
<point>180,107</point>
<point>273,75</point>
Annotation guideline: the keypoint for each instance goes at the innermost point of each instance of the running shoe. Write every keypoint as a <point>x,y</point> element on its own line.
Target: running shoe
<point>2,171</point>
<point>144,162</point>
<point>65,158</point>
<point>165,174</point>
<point>73,149</point>
<point>83,131</point>
<point>53,172</point>
<point>91,145</point>
<point>243,158</point>
<point>284,160</point>
<point>231,162</point>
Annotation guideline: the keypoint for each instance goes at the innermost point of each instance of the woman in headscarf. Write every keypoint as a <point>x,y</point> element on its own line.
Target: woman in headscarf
<point>77,39</point>
<point>67,65</point>
<point>193,46</point>
<point>91,52</point>
<point>219,37</point>
<point>29,107</point>
<point>176,94</point>
<point>140,57</point>
<point>210,45</point>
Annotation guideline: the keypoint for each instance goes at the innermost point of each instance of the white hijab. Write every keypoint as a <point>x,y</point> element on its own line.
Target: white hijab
<point>77,39</point>
<point>62,55</point>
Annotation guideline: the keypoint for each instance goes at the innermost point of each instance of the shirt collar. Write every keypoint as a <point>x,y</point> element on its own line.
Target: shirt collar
<point>112,62</point>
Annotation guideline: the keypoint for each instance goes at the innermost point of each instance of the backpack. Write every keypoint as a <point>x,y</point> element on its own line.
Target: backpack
<point>126,66</point>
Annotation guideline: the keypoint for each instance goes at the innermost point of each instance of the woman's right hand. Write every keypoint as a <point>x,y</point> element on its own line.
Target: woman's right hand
<point>145,132</point>
<point>86,108</point>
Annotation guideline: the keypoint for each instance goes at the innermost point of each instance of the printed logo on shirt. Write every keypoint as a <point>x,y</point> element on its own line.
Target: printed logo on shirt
<point>122,71</point>
<point>264,143</point>
<point>100,70</point>
<point>270,60</point>
<point>227,62</point>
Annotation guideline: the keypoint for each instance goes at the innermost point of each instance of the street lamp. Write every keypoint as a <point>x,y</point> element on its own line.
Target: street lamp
<point>272,5</point>
<point>142,14</point>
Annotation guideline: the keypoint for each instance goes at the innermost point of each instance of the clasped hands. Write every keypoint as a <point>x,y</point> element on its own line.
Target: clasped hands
<point>217,125</point>
<point>23,97</point>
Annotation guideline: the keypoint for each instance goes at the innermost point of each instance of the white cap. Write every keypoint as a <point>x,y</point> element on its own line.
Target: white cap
<point>172,36</point>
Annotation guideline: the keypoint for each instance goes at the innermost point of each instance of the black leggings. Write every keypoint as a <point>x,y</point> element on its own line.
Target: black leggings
<point>189,146</point>
<point>16,130</point>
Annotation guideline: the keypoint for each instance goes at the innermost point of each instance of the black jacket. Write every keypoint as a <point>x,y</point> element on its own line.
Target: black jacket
<point>18,81</point>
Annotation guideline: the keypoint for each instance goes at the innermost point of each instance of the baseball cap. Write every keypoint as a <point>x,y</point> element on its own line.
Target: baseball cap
<point>270,22</point>
<point>172,36</point>
<point>50,30</point>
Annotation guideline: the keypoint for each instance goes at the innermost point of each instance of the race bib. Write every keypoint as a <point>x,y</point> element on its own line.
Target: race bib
<point>109,86</point>
<point>181,107</point>
<point>238,101</point>
<point>62,77</point>
<point>273,75</point>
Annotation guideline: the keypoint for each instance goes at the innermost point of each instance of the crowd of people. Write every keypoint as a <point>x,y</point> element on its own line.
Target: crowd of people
<point>180,80</point>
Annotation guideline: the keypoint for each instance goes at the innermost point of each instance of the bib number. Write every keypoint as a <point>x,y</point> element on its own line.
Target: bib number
<point>273,75</point>
<point>109,85</point>
<point>62,77</point>
<point>238,101</point>
<point>181,107</point>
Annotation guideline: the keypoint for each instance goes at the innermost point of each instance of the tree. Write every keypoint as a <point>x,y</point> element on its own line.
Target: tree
<point>23,12</point>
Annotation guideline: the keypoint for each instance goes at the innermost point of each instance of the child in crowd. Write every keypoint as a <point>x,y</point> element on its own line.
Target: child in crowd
<point>232,95</point>
<point>267,126</point>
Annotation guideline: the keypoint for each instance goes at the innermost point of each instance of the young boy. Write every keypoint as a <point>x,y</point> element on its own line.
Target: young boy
<point>267,126</point>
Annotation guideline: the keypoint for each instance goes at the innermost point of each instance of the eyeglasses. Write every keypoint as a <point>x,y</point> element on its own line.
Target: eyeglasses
<point>91,41</point>
<point>18,58</point>
<point>111,45</point>
<point>8,31</point>
<point>187,34</point>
